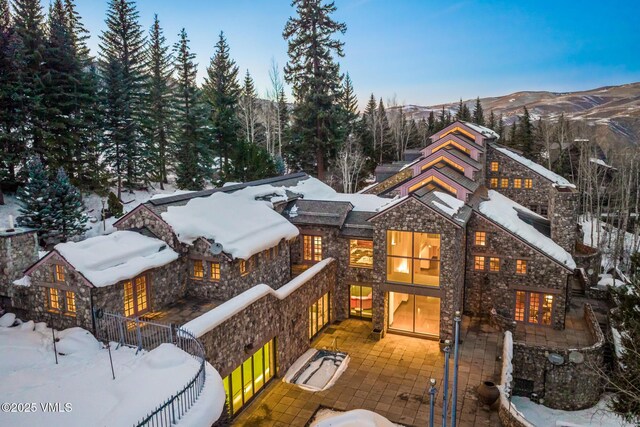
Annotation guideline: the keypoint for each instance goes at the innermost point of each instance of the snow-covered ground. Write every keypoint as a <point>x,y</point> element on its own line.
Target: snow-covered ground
<point>354,418</point>
<point>541,416</point>
<point>320,374</point>
<point>591,227</point>
<point>82,382</point>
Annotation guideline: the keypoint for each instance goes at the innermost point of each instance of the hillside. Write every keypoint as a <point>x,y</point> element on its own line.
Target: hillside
<point>613,112</point>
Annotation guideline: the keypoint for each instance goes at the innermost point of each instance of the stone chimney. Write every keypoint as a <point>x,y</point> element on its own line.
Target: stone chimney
<point>563,214</point>
<point>18,251</point>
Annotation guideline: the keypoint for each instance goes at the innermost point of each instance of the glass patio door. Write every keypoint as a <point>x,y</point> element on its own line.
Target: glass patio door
<point>136,300</point>
<point>360,301</point>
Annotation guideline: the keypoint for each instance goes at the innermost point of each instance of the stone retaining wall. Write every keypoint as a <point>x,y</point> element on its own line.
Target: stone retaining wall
<point>570,386</point>
<point>287,320</point>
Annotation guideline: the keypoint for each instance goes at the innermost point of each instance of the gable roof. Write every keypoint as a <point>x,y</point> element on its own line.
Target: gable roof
<point>506,213</point>
<point>112,258</point>
<point>317,212</point>
<point>535,167</point>
<point>455,212</point>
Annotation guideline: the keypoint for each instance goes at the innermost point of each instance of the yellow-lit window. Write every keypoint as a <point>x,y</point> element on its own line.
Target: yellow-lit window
<point>135,296</point>
<point>71,303</point>
<point>504,182</point>
<point>494,264</point>
<point>528,183</point>
<point>243,267</point>
<point>413,258</point>
<point>58,273</point>
<point>275,250</point>
<point>453,143</point>
<point>521,266</point>
<point>437,180</point>
<point>361,253</point>
<point>129,307</point>
<point>198,269</point>
<point>445,160</point>
<point>312,248</point>
<point>481,238</point>
<point>493,183</point>
<point>517,183</point>
<point>495,167</point>
<point>520,306</point>
<point>214,268</point>
<point>478,263</point>
<point>53,297</point>
<point>141,294</point>
<point>458,129</point>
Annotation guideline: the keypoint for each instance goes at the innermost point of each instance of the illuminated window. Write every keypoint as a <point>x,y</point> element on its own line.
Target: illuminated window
<point>528,183</point>
<point>243,267</point>
<point>319,315</point>
<point>275,250</point>
<point>458,129</point>
<point>453,143</point>
<point>312,248</point>
<point>517,183</point>
<point>214,269</point>
<point>198,269</point>
<point>481,238</point>
<point>535,308</point>
<point>361,253</point>
<point>493,183</point>
<point>58,273</point>
<point>495,167</point>
<point>250,377</point>
<point>494,264</point>
<point>413,257</point>
<point>504,182</point>
<point>478,263</point>
<point>136,296</point>
<point>445,160</point>
<point>71,303</point>
<point>53,298</point>
<point>521,266</point>
<point>437,180</point>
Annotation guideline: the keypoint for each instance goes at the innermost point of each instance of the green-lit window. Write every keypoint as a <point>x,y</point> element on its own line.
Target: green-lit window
<point>250,377</point>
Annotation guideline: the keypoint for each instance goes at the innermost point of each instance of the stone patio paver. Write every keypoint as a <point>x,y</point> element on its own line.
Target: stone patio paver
<point>390,377</point>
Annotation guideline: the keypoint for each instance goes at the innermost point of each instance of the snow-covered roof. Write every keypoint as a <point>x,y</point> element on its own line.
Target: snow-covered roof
<point>314,189</point>
<point>539,169</point>
<point>504,211</point>
<point>243,225</point>
<point>218,315</point>
<point>484,131</point>
<point>105,260</point>
<point>600,162</point>
<point>448,204</point>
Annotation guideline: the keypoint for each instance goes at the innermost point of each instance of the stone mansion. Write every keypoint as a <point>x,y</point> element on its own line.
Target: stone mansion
<point>463,224</point>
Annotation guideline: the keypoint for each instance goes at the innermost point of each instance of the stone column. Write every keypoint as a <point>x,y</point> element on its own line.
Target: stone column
<point>563,214</point>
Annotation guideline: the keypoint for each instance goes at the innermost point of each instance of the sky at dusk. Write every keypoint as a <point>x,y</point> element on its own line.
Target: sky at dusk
<point>422,52</point>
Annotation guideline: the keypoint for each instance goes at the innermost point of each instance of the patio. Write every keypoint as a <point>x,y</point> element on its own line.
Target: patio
<point>390,377</point>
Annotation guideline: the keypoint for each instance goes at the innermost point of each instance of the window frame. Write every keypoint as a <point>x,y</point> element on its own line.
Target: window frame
<point>59,275</point>
<point>517,183</point>
<point>193,271</point>
<point>218,268</point>
<point>537,301</point>
<point>528,183</point>
<point>312,250</point>
<point>65,301</point>
<point>413,259</point>
<point>356,265</point>
<point>493,183</point>
<point>492,260</point>
<point>494,166</point>
<point>482,239</point>
<point>479,260</point>
<point>504,182</point>
<point>519,264</point>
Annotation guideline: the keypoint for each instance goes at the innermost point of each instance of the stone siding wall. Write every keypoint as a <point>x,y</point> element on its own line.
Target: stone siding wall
<point>412,215</point>
<point>18,251</point>
<point>233,341</point>
<point>485,290</point>
<point>563,214</point>
<point>266,267</point>
<point>143,217</point>
<point>570,386</point>
<point>509,168</point>
<point>391,181</point>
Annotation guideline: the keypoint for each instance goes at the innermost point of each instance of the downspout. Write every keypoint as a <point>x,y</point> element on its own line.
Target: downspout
<point>93,312</point>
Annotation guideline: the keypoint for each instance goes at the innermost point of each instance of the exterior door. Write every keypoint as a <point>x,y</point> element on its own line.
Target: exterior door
<point>360,301</point>
<point>136,296</point>
<point>534,308</point>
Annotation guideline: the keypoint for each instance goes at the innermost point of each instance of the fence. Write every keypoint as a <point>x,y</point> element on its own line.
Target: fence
<point>142,334</point>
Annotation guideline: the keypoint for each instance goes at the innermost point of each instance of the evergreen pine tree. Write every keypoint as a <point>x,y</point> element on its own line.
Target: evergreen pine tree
<point>526,136</point>
<point>431,124</point>
<point>159,123</point>
<point>29,27</point>
<point>442,120</point>
<point>192,152</point>
<point>13,133</point>
<point>478,113</point>
<point>67,210</point>
<point>283,121</point>
<point>513,135</point>
<point>369,135</point>
<point>222,93</point>
<point>315,77</point>
<point>384,150</point>
<point>500,127</point>
<point>248,110</point>
<point>122,63</point>
<point>492,124</point>
<point>35,198</point>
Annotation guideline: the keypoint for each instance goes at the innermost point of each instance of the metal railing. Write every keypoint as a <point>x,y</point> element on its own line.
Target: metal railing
<point>142,334</point>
